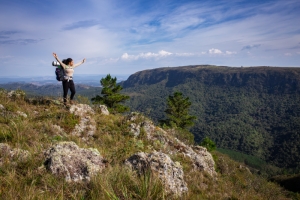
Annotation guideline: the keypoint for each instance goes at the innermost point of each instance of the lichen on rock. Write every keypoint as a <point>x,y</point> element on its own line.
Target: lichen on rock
<point>87,125</point>
<point>170,173</point>
<point>12,155</point>
<point>73,163</point>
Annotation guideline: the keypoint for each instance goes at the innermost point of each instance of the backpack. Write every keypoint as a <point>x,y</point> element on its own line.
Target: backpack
<point>59,71</point>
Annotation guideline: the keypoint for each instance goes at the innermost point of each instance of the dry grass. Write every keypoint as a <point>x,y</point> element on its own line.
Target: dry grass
<point>29,180</point>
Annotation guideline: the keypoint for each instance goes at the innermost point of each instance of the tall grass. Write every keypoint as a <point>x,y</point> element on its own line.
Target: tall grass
<point>30,180</point>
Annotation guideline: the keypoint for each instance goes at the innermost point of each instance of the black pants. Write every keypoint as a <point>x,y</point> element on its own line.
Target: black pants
<point>66,86</point>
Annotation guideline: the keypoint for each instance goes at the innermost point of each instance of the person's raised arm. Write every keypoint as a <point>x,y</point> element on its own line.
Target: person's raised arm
<point>76,65</point>
<point>61,63</point>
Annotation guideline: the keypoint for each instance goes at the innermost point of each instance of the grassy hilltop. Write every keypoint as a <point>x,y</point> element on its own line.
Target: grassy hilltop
<point>28,125</point>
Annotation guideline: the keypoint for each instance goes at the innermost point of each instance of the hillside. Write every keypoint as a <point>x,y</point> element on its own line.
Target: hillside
<point>49,151</point>
<point>53,90</point>
<point>252,110</point>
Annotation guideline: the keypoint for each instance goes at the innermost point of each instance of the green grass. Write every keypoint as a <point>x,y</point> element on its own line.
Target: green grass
<point>30,180</point>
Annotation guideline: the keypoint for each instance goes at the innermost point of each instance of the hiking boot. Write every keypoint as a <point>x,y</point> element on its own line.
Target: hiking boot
<point>65,101</point>
<point>72,102</point>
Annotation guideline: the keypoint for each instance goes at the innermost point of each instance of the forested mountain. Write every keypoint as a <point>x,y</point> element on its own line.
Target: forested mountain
<point>254,110</point>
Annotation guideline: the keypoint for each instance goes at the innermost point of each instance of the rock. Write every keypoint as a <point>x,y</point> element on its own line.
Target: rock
<point>104,110</point>
<point>135,129</point>
<point>134,126</point>
<point>81,110</point>
<point>87,126</point>
<point>21,114</point>
<point>1,107</point>
<point>138,122</point>
<point>202,160</point>
<point>13,155</point>
<point>35,112</point>
<point>170,173</point>
<point>16,94</point>
<point>58,130</point>
<point>132,116</point>
<point>244,168</point>
<point>73,163</point>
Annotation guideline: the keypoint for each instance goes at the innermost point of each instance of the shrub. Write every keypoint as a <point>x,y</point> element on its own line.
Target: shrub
<point>208,144</point>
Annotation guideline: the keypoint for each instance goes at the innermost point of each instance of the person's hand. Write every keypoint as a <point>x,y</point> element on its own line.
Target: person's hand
<point>54,54</point>
<point>83,60</point>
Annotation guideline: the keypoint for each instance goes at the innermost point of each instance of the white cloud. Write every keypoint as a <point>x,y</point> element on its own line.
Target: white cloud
<point>185,54</point>
<point>214,51</point>
<point>164,53</point>
<point>230,52</point>
<point>148,55</point>
<point>188,29</point>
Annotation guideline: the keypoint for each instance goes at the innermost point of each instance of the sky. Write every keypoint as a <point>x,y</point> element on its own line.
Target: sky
<point>125,36</point>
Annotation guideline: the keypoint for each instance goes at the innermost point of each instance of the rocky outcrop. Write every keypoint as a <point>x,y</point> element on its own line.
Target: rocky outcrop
<point>73,163</point>
<point>16,94</point>
<point>81,110</point>
<point>12,155</point>
<point>202,160</point>
<point>87,125</point>
<point>170,173</point>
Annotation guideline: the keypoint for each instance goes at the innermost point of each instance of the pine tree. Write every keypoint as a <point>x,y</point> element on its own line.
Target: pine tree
<point>177,111</point>
<point>111,96</point>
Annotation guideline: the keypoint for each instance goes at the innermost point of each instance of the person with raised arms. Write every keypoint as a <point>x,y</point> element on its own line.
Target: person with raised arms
<point>67,82</point>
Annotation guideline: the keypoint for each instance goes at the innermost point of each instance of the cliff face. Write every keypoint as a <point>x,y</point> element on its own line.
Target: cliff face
<point>254,110</point>
<point>271,79</point>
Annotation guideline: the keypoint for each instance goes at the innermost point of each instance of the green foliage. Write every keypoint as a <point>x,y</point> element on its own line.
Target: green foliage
<point>177,111</point>
<point>36,133</point>
<point>111,96</point>
<point>208,144</point>
<point>253,110</point>
<point>185,136</point>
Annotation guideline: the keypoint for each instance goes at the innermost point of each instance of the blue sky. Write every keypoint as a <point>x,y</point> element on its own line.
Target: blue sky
<point>123,37</point>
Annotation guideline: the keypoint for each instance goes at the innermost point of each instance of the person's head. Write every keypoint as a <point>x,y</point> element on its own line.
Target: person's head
<point>68,61</point>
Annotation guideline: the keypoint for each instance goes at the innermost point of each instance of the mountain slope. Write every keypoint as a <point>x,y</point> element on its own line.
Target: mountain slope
<point>31,133</point>
<point>253,110</point>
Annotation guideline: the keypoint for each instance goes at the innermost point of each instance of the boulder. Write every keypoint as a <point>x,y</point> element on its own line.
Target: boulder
<point>81,110</point>
<point>73,163</point>
<point>170,173</point>
<point>13,155</point>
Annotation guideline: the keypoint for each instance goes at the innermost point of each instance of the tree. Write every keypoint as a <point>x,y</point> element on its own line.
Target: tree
<point>111,96</point>
<point>209,144</point>
<point>177,111</point>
